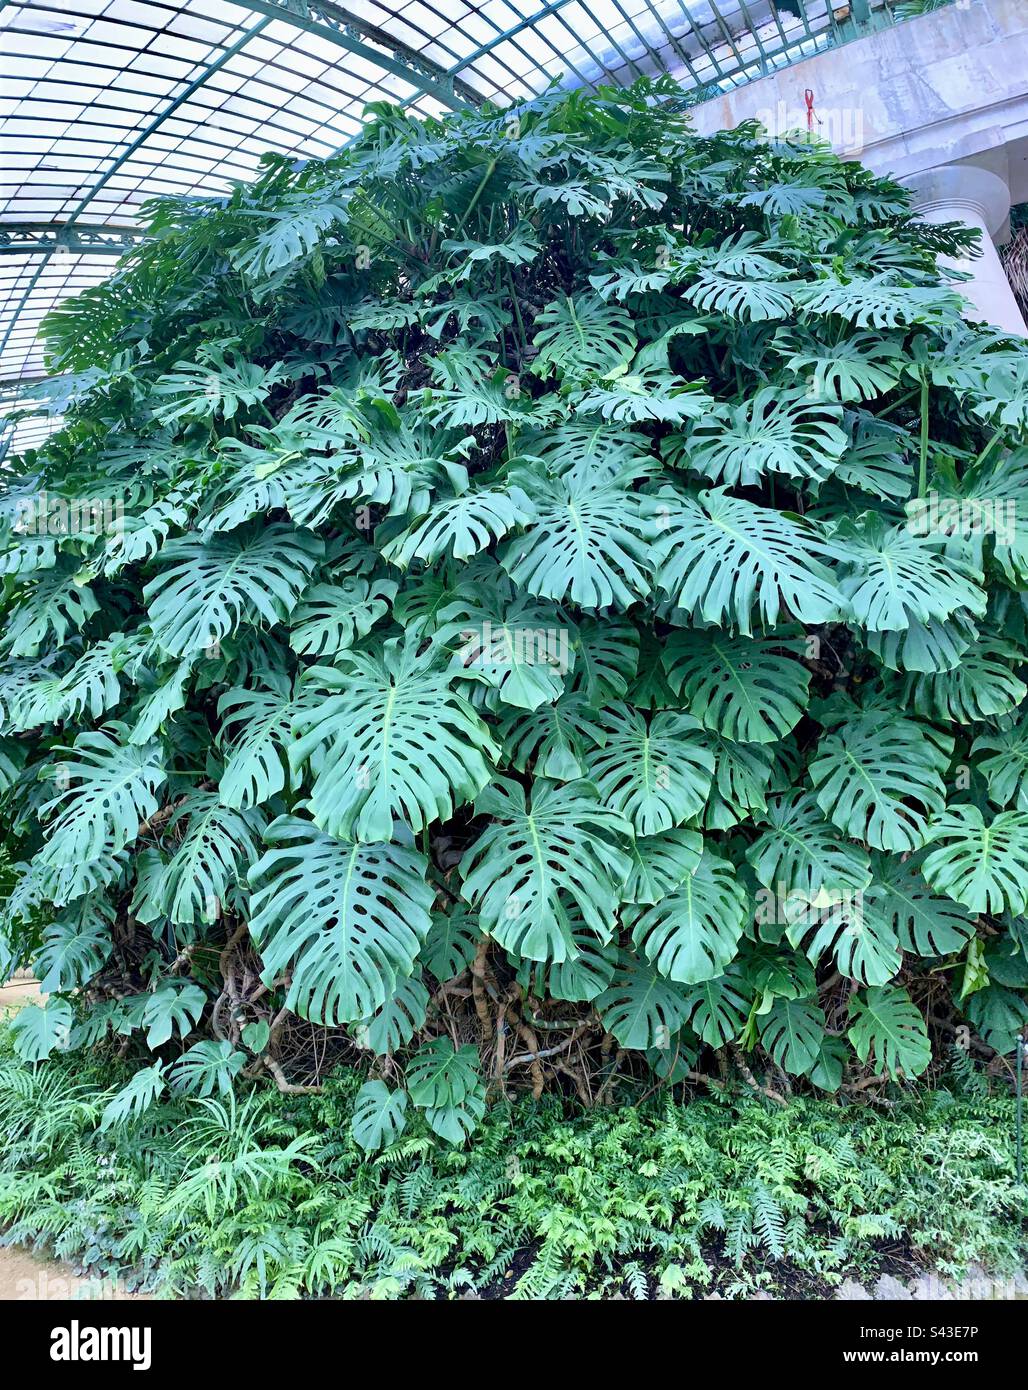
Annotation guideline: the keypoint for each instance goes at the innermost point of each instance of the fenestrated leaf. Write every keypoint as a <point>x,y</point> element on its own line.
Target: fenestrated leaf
<point>742,774</point>
<point>858,368</point>
<point>208,1066</point>
<point>983,866</point>
<point>40,1028</point>
<point>774,431</point>
<point>891,576</point>
<point>451,942</point>
<point>881,779</point>
<point>660,863</point>
<point>552,738</point>
<point>75,946</point>
<point>174,1006</point>
<point>160,699</point>
<point>527,868</point>
<point>998,1015</point>
<point>925,647</point>
<point>693,933</point>
<point>793,1032</point>
<point>582,337</point>
<point>391,739</point>
<point>460,526</point>
<point>1006,772</point>
<point>724,560</point>
<point>379,1116</point>
<point>444,1082</point>
<point>331,617</point>
<point>111,789</point>
<point>12,760</point>
<point>346,920</point>
<point>716,1009</point>
<point>589,542</point>
<point>751,691</point>
<point>394,1024</point>
<point>92,683</point>
<point>208,588</point>
<point>135,1097</point>
<point>579,979</point>
<point>520,648</point>
<point>984,685</point>
<point>606,659</point>
<point>292,231</point>
<point>802,854</point>
<point>256,766</point>
<point>218,846</point>
<point>641,1008</point>
<point>860,938</point>
<point>58,603</point>
<point>924,923</point>
<point>656,774</point>
<point>888,1032</point>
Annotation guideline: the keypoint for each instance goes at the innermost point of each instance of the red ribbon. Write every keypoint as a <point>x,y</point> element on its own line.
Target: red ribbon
<point>808,97</point>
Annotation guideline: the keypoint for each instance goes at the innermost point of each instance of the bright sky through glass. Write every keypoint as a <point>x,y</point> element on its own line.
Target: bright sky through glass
<point>106,103</point>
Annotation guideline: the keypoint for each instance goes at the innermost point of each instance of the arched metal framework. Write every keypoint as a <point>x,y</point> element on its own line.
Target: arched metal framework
<point>107,103</point>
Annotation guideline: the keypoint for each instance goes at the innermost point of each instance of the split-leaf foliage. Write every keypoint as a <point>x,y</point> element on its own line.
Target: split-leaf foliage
<point>536,598</point>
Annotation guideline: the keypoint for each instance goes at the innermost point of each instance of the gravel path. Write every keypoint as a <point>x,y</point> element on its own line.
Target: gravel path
<point>27,1276</point>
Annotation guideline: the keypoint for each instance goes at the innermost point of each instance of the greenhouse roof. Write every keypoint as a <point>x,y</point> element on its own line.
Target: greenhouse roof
<point>106,103</point>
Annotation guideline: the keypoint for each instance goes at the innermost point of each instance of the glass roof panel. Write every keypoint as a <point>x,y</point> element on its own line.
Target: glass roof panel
<point>106,103</point>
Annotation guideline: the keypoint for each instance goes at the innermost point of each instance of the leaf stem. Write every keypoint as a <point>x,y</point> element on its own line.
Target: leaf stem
<point>922,459</point>
<point>478,193</point>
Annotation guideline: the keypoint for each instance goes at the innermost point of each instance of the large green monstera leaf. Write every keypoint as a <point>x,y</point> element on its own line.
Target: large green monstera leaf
<point>724,560</point>
<point>802,853</point>
<point>881,779</point>
<point>210,587</point>
<point>889,1032</point>
<point>109,789</point>
<point>527,869</point>
<point>983,866</point>
<point>775,432</point>
<point>752,691</point>
<point>345,920</point>
<point>692,934</point>
<point>533,599</point>
<point>389,740</point>
<point>588,542</point>
<point>657,773</point>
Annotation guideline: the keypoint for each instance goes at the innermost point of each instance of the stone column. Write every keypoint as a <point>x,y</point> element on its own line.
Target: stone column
<point>978,198</point>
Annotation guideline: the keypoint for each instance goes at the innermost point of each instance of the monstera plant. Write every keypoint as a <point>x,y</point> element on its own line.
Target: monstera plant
<point>536,599</point>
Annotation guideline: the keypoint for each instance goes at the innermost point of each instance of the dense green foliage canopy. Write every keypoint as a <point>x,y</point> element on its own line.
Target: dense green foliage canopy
<point>537,596</point>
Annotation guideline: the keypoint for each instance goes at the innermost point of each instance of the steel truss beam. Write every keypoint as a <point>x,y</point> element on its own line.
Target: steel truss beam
<point>80,238</point>
<point>332,22</point>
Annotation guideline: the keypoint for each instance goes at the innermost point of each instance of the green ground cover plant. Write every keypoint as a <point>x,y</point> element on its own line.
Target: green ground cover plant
<point>258,1194</point>
<point>534,601</point>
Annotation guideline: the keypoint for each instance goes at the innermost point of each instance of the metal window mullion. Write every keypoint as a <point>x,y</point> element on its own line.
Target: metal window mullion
<point>22,303</point>
<point>158,120</point>
<point>675,43</point>
<point>722,24</point>
<point>705,47</point>
<point>485,50</point>
<point>653,54</point>
<point>552,12</point>
<point>440,89</point>
<point>753,30</point>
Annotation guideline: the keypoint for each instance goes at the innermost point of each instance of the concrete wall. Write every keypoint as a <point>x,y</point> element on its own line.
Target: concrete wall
<point>948,86</point>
